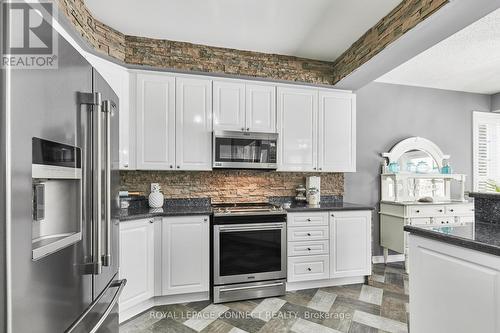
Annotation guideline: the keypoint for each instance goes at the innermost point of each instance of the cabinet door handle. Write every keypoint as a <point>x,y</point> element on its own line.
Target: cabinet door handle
<point>171,167</point>
<point>308,234</point>
<point>205,220</point>
<point>152,221</point>
<point>440,210</point>
<point>309,269</point>
<point>178,167</point>
<point>320,169</point>
<point>451,210</point>
<point>308,220</point>
<point>248,129</point>
<point>417,211</point>
<point>308,249</point>
<point>243,129</point>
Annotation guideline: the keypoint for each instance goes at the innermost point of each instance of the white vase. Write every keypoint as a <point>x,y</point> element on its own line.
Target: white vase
<point>155,197</point>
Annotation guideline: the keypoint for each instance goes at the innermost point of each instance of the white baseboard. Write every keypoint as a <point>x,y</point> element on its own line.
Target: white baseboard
<point>126,314</point>
<point>290,286</point>
<point>391,258</point>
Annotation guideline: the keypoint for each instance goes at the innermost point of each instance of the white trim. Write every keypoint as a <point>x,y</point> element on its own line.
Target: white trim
<point>290,286</point>
<point>142,307</point>
<point>416,143</point>
<point>391,258</point>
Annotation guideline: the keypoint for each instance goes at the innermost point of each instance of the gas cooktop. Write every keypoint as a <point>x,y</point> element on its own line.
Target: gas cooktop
<point>257,208</point>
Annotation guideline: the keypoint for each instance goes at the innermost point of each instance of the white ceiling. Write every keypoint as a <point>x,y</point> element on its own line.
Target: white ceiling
<point>315,29</point>
<point>467,61</point>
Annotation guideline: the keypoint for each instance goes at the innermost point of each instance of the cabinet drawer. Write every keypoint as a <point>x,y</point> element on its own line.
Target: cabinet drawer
<point>420,221</point>
<point>307,248</point>
<point>307,234</point>
<point>425,211</point>
<point>460,210</point>
<point>308,268</point>
<point>307,219</point>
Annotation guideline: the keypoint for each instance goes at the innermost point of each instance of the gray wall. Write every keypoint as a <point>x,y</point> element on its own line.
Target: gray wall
<point>388,113</point>
<point>495,102</point>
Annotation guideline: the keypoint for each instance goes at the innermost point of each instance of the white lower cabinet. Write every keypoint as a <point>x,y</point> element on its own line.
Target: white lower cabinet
<point>165,260</point>
<point>137,261</point>
<point>339,249</point>
<point>350,243</point>
<point>308,268</point>
<point>443,277</point>
<point>185,254</point>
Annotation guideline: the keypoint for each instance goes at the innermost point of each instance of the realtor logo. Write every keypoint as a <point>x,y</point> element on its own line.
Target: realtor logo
<point>28,39</point>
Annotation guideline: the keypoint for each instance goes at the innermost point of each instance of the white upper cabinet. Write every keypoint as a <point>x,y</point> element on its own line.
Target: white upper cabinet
<point>297,129</point>
<point>261,108</point>
<point>155,113</point>
<point>337,132</point>
<point>244,106</point>
<point>229,106</point>
<point>186,254</point>
<point>193,124</point>
<point>350,243</point>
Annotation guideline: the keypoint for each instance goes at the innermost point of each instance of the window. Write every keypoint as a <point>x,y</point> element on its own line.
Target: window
<point>486,150</point>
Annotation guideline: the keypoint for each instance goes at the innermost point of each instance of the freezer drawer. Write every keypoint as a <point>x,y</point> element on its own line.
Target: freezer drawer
<point>102,312</point>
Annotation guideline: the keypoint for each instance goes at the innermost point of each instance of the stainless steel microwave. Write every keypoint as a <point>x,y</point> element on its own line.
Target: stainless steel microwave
<point>244,150</point>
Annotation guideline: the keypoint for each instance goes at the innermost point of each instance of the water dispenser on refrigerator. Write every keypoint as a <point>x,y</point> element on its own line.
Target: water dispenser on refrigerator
<point>57,196</point>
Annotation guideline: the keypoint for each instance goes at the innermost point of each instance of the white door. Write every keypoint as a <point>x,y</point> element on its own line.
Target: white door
<point>261,108</point>
<point>297,129</point>
<point>193,124</point>
<point>229,106</point>
<point>186,254</point>
<point>155,122</point>
<point>337,132</point>
<point>136,261</point>
<point>350,243</point>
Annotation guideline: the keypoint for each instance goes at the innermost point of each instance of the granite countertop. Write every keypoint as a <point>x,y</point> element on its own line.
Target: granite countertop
<point>484,195</point>
<point>327,206</point>
<point>180,207</point>
<point>146,212</point>
<point>486,236</point>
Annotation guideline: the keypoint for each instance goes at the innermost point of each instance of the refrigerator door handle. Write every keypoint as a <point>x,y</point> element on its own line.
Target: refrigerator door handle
<point>107,107</point>
<point>97,184</point>
<point>94,101</point>
<point>120,284</point>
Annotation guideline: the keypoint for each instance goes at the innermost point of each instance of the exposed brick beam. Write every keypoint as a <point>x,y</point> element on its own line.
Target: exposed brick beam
<point>404,17</point>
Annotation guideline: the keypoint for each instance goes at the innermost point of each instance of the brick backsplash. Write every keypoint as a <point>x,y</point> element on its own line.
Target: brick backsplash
<point>228,185</point>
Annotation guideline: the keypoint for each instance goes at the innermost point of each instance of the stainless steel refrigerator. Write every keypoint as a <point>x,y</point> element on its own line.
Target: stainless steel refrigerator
<point>59,192</point>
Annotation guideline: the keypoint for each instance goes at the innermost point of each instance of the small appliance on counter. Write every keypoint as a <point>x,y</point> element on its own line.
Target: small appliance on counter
<point>313,187</point>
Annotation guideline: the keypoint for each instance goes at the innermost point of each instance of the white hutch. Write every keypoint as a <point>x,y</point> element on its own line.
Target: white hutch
<point>415,192</point>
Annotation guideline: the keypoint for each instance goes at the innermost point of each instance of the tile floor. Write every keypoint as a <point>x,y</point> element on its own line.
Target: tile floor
<point>379,306</point>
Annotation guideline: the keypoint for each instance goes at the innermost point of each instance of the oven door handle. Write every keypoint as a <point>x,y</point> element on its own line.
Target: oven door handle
<point>253,287</point>
<point>236,229</point>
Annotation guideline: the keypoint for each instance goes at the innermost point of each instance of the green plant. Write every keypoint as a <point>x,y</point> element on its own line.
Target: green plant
<point>492,186</point>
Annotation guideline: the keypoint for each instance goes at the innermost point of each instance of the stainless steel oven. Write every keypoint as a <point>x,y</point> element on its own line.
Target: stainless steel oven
<point>249,255</point>
<point>244,150</point>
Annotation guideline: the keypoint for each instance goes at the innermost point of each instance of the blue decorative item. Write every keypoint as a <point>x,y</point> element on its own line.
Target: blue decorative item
<point>422,167</point>
<point>411,167</point>
<point>394,167</point>
<point>446,169</point>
